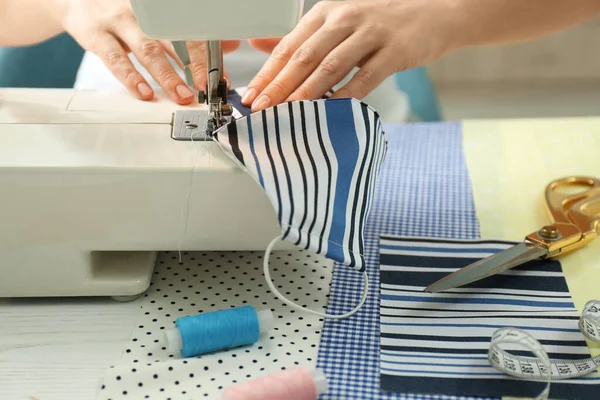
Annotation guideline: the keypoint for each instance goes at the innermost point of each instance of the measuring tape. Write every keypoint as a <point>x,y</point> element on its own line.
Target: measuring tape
<point>541,367</point>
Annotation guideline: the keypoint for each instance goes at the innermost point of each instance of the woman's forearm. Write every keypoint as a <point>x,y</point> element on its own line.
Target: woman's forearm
<point>24,22</point>
<point>492,22</point>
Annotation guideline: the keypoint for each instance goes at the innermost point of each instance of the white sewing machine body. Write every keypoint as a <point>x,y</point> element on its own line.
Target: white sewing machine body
<point>93,185</point>
<point>216,19</point>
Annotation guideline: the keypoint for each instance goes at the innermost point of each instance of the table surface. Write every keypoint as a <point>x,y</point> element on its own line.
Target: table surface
<point>60,348</point>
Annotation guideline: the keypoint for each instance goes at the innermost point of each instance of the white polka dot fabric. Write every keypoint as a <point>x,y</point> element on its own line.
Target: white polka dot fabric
<point>212,281</point>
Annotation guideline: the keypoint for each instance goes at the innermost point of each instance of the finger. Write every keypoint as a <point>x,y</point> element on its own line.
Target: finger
<point>367,78</point>
<point>265,45</point>
<point>153,56</point>
<point>230,46</point>
<point>171,52</point>
<point>280,56</point>
<point>198,59</point>
<point>304,61</point>
<point>114,56</point>
<point>335,67</point>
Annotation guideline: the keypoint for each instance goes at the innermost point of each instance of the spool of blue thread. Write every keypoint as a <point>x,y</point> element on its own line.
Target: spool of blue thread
<point>217,330</point>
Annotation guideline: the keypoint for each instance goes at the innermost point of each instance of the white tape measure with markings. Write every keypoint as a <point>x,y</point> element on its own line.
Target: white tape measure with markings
<point>542,367</point>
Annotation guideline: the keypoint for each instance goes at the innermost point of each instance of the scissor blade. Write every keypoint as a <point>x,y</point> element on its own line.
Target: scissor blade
<point>489,266</point>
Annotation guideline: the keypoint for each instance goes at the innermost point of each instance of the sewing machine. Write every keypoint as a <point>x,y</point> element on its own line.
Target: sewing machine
<point>94,184</point>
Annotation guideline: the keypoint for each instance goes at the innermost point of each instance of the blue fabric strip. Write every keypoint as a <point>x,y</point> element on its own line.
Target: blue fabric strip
<point>532,328</point>
<point>342,134</point>
<point>433,250</point>
<point>451,300</point>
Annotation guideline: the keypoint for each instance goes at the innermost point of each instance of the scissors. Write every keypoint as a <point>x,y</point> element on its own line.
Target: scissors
<point>576,219</point>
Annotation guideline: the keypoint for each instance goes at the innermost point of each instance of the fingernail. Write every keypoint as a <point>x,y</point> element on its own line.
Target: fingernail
<point>261,103</point>
<point>249,96</point>
<point>144,89</point>
<point>184,92</point>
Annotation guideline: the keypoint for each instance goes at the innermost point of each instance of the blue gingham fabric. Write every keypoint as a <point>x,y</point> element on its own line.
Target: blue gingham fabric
<point>423,191</point>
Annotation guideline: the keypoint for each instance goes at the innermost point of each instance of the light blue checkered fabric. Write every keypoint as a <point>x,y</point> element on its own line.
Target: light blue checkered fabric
<point>423,191</point>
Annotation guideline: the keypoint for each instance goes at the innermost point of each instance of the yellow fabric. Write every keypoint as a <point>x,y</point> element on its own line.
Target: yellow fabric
<point>510,163</point>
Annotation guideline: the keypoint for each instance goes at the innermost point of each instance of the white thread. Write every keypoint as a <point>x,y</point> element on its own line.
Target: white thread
<point>185,212</point>
<point>300,308</point>
<point>542,366</point>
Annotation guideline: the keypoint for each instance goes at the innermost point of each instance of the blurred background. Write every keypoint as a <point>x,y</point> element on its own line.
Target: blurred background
<point>554,76</point>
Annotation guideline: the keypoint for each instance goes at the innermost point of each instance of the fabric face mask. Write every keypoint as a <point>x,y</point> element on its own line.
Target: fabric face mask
<point>318,163</point>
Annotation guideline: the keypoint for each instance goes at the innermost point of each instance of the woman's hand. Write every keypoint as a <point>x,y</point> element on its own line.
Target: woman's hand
<point>380,37</point>
<point>109,29</point>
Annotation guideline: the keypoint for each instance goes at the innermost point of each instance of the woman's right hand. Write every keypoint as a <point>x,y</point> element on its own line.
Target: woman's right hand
<point>109,29</point>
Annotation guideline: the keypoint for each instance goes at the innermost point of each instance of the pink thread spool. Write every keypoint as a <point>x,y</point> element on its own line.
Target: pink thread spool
<point>294,384</point>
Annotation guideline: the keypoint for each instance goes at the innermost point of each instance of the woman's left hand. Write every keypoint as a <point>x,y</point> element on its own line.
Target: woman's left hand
<point>380,37</point>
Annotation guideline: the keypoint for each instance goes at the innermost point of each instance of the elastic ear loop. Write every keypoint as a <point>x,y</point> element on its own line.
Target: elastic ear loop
<point>300,308</point>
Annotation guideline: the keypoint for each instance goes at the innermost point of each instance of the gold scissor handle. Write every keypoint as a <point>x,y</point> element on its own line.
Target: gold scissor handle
<point>581,209</point>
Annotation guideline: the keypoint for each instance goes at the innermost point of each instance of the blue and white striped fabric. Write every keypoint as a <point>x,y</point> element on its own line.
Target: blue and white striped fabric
<point>438,343</point>
<point>423,190</point>
<point>318,163</point>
